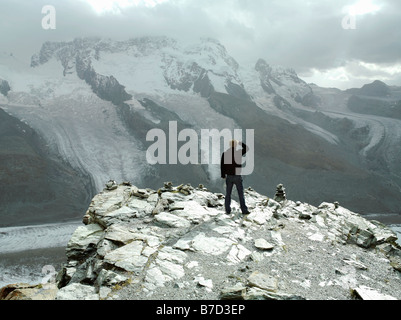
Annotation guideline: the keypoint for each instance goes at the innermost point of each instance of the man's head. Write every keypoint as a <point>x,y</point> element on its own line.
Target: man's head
<point>233,143</point>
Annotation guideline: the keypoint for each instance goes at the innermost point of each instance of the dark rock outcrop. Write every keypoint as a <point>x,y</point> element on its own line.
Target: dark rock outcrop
<point>4,87</point>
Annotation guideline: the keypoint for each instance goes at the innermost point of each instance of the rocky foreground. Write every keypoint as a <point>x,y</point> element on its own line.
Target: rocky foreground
<point>178,243</point>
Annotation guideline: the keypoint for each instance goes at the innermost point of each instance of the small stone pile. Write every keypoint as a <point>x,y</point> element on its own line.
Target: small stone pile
<point>280,193</point>
<point>111,185</point>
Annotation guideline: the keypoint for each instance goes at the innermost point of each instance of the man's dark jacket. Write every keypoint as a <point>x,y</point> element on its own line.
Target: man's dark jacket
<point>232,159</point>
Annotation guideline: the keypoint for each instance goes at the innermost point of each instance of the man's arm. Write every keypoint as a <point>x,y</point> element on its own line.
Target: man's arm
<point>245,148</point>
<point>223,174</point>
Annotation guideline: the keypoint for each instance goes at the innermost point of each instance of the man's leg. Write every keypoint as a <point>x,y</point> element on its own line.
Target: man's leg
<point>229,189</point>
<point>240,189</point>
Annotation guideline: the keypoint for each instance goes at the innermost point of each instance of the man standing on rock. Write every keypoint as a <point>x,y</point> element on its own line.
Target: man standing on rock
<point>230,166</point>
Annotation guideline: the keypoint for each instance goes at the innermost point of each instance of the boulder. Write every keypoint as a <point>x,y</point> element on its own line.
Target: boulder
<point>317,237</point>
<point>382,233</point>
<point>262,244</point>
<point>260,294</point>
<point>118,233</point>
<point>128,257</point>
<point>238,253</point>
<point>167,266</point>
<point>211,245</point>
<point>241,292</point>
<point>109,278</point>
<point>24,291</point>
<point>233,293</point>
<point>162,205</point>
<point>366,293</point>
<point>86,272</point>
<point>275,237</point>
<point>261,216</point>
<point>305,215</point>
<point>355,264</point>
<point>206,245</point>
<point>172,220</point>
<point>77,291</point>
<point>122,215</point>
<point>140,193</point>
<point>263,281</point>
<point>207,283</point>
<point>84,240</point>
<point>395,258</point>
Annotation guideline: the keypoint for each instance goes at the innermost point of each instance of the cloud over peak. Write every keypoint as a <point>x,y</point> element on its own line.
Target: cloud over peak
<point>306,36</point>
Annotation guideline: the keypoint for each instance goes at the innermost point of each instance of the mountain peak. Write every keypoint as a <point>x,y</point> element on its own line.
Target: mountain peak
<point>181,63</point>
<point>375,89</point>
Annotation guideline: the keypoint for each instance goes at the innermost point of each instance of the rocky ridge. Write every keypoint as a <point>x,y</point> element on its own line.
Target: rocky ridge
<point>178,243</point>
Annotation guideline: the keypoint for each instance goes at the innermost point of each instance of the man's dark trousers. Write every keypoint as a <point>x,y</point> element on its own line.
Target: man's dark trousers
<point>230,182</point>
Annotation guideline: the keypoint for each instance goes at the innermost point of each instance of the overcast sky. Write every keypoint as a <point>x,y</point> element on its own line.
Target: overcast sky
<point>306,35</point>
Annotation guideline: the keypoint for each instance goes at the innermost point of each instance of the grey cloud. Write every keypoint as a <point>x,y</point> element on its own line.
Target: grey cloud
<point>299,34</point>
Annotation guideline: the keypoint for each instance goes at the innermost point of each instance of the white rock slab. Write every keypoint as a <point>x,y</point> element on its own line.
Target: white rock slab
<point>366,293</point>
<point>84,236</point>
<point>316,237</point>
<point>263,244</point>
<point>263,281</point>
<point>211,245</point>
<point>172,220</point>
<point>77,291</point>
<point>260,216</point>
<point>207,283</point>
<point>128,257</point>
<point>238,253</point>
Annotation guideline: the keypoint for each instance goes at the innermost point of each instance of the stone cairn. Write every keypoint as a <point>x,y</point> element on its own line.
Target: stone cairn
<point>111,185</point>
<point>280,193</point>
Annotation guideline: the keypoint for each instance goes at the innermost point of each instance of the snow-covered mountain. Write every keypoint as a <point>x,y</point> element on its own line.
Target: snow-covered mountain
<point>94,100</point>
